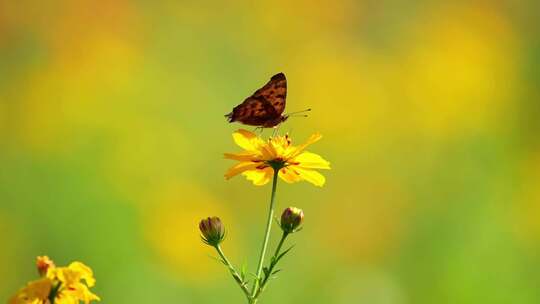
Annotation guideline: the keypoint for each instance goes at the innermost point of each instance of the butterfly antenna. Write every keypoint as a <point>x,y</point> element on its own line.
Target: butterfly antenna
<point>300,112</point>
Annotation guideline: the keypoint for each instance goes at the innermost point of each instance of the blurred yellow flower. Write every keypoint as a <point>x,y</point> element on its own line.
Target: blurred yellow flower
<point>36,292</point>
<point>260,158</point>
<point>63,284</point>
<point>72,290</point>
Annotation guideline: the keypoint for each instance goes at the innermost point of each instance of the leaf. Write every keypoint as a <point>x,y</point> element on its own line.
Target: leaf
<point>243,271</point>
<point>220,260</point>
<point>276,271</point>
<point>284,253</point>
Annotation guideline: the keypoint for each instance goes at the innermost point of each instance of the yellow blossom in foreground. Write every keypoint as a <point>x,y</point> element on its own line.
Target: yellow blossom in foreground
<point>36,292</point>
<point>72,289</point>
<point>260,158</point>
<point>67,285</point>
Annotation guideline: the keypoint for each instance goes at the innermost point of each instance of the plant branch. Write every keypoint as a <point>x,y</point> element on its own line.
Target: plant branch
<point>237,277</point>
<point>275,259</point>
<point>266,237</point>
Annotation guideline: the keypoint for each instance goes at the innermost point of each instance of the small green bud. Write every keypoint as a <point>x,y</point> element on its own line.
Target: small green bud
<point>212,231</point>
<point>291,218</point>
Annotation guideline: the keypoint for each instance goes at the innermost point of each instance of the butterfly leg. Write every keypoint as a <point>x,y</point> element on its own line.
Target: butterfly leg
<point>258,129</point>
<point>276,129</point>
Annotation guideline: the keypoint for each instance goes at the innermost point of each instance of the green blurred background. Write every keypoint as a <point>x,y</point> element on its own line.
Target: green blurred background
<point>112,134</point>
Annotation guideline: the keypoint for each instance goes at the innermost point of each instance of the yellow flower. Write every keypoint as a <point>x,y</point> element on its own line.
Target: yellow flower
<point>72,290</point>
<point>36,292</point>
<point>261,158</point>
<point>64,284</point>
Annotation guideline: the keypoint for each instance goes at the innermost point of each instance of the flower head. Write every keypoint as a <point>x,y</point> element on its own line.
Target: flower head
<point>291,219</point>
<point>72,289</point>
<point>260,159</point>
<point>212,231</point>
<point>63,284</point>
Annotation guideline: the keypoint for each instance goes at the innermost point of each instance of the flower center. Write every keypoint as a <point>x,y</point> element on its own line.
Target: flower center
<point>277,163</point>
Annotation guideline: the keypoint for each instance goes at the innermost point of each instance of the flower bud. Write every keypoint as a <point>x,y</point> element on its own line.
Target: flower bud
<point>291,218</point>
<point>212,231</point>
<point>43,263</point>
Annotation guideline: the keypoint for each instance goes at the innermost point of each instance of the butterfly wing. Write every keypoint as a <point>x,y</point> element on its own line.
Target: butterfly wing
<point>264,106</point>
<point>254,111</point>
<point>275,92</point>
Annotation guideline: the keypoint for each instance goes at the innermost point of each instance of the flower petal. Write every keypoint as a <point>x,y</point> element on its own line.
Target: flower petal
<point>75,293</point>
<point>311,161</point>
<point>239,168</point>
<point>84,271</point>
<point>242,156</point>
<point>35,292</point>
<point>259,177</point>
<point>312,139</point>
<point>289,175</point>
<point>311,176</point>
<point>246,140</point>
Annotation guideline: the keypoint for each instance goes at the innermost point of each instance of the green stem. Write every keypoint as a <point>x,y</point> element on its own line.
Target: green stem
<point>266,237</point>
<point>272,264</point>
<point>54,292</point>
<point>234,273</point>
<point>278,249</point>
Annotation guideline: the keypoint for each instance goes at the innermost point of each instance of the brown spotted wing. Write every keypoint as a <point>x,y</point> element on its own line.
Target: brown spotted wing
<point>265,107</point>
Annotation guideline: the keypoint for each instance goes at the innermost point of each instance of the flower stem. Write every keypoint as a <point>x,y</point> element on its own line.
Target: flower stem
<point>53,293</point>
<point>278,249</point>
<point>272,265</point>
<point>266,237</point>
<point>234,273</point>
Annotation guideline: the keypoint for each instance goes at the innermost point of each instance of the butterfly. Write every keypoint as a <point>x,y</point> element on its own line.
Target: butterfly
<point>265,107</point>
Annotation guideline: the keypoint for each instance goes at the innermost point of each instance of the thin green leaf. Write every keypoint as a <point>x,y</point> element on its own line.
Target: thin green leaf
<point>284,253</point>
<point>220,260</point>
<point>276,271</point>
<point>243,271</point>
